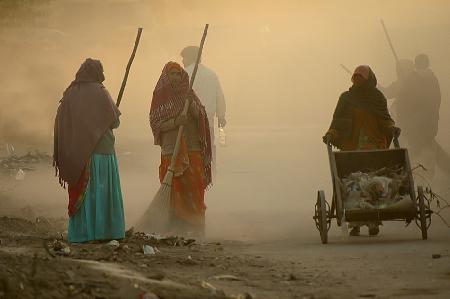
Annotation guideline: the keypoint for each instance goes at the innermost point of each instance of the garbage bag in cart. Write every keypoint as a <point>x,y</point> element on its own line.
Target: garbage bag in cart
<point>371,186</point>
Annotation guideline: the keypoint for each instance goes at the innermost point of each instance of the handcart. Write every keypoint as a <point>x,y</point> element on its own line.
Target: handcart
<point>343,163</point>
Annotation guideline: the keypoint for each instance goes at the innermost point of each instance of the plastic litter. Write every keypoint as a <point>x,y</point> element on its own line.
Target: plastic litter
<point>149,250</point>
<point>113,243</point>
<point>375,190</point>
<point>20,175</point>
<point>60,248</point>
<point>65,251</point>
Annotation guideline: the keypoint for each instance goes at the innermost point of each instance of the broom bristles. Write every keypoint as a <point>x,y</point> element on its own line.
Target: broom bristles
<point>156,217</point>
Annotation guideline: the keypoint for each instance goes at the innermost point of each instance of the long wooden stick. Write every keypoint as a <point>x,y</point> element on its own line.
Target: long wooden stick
<point>127,71</point>
<point>187,102</point>
<point>389,40</point>
<point>395,139</point>
<point>346,69</point>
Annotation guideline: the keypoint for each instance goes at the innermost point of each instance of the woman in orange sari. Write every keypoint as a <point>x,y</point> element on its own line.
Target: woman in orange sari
<point>192,174</point>
<point>361,121</point>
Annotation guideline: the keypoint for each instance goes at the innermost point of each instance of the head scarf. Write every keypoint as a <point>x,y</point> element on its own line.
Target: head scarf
<point>367,96</point>
<point>90,71</point>
<point>84,114</point>
<point>168,103</point>
<point>363,71</point>
<point>422,62</point>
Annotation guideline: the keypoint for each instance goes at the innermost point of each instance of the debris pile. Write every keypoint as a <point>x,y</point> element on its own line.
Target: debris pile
<point>13,164</point>
<point>375,190</point>
<point>159,240</point>
<point>60,248</point>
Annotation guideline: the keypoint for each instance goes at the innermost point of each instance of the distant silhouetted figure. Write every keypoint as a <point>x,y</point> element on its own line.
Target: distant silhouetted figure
<point>208,89</point>
<point>418,100</point>
<point>396,91</point>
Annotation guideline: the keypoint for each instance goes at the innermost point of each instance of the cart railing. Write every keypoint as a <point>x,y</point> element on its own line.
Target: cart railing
<point>343,163</point>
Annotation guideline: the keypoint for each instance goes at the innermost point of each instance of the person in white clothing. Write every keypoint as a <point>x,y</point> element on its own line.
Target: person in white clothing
<point>208,89</point>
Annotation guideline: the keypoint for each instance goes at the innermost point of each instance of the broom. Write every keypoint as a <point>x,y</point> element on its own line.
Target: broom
<point>157,214</point>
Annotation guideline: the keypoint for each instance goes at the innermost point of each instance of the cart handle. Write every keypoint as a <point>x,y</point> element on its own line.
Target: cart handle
<point>396,143</point>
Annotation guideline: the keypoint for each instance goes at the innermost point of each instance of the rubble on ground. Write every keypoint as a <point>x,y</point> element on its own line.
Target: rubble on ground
<point>16,165</point>
<point>37,260</point>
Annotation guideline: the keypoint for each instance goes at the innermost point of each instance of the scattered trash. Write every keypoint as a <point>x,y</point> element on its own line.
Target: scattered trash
<point>60,248</point>
<point>14,163</point>
<point>209,287</point>
<point>155,239</point>
<point>65,251</point>
<point>227,277</point>
<point>20,175</point>
<point>149,250</point>
<point>113,243</point>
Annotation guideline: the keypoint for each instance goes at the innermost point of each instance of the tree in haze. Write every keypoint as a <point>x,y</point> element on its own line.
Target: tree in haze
<point>21,12</point>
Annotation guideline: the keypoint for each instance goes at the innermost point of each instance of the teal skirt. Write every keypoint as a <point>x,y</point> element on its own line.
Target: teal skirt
<point>100,216</point>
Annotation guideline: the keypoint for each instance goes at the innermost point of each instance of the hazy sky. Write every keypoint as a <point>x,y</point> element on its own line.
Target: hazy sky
<point>278,60</point>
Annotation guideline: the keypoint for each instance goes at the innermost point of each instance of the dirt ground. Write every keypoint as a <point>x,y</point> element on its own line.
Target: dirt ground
<point>261,239</point>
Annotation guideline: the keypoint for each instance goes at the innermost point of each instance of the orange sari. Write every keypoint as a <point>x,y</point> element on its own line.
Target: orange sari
<point>188,191</point>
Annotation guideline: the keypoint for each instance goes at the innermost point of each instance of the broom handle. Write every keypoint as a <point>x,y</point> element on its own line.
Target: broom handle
<point>389,40</point>
<point>187,102</point>
<point>127,71</point>
<point>346,69</point>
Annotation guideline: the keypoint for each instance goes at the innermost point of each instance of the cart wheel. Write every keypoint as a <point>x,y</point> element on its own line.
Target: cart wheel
<point>422,213</point>
<point>321,211</point>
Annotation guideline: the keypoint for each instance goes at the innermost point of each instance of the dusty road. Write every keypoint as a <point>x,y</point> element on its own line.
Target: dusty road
<point>260,234</point>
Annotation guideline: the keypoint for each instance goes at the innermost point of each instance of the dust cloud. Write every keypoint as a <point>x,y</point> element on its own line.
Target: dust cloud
<point>278,62</point>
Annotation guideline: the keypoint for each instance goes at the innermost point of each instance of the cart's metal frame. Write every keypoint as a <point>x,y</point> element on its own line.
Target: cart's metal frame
<point>324,213</point>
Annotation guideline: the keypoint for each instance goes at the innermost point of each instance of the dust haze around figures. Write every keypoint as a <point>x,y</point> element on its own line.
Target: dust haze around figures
<point>278,62</point>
